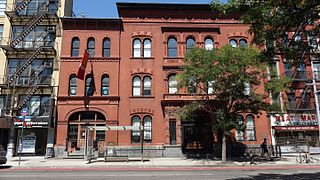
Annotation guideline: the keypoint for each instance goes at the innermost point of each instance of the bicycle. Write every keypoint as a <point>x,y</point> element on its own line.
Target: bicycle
<point>307,158</point>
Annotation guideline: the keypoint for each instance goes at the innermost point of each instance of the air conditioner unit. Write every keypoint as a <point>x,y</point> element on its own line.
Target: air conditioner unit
<point>51,29</point>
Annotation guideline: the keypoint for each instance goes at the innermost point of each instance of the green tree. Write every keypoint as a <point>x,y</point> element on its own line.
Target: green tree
<point>236,75</point>
<point>272,20</point>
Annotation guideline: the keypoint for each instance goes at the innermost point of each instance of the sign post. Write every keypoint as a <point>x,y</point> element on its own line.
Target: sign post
<point>24,112</point>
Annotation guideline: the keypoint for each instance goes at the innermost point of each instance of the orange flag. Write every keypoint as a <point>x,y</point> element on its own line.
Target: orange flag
<point>83,65</point>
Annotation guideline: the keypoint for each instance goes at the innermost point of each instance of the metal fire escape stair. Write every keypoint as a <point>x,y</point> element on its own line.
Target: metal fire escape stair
<point>21,6</point>
<point>33,90</point>
<point>27,63</point>
<point>30,27</point>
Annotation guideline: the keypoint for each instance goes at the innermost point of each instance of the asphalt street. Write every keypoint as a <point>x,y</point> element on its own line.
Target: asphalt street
<point>145,174</point>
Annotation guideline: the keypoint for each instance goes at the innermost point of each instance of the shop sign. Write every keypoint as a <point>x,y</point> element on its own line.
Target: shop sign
<point>28,144</point>
<point>30,123</point>
<point>293,120</point>
<point>296,128</point>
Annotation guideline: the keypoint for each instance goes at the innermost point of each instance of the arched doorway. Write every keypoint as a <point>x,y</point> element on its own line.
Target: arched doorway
<point>197,136</point>
<point>78,122</point>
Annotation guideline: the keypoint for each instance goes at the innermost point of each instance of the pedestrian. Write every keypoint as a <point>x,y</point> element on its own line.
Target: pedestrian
<point>264,147</point>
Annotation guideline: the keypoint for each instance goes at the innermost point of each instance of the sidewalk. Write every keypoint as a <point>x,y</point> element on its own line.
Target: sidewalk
<point>41,162</point>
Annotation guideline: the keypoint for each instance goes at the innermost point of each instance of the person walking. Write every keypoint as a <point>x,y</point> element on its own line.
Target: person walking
<point>264,147</point>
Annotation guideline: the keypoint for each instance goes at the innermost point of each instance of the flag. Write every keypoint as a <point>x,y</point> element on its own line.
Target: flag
<point>92,86</point>
<point>83,65</point>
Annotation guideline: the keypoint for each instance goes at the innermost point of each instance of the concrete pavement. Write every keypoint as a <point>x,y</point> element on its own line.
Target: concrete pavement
<point>42,162</point>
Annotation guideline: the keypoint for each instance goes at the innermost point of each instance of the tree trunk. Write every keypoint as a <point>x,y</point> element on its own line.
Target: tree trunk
<point>224,148</point>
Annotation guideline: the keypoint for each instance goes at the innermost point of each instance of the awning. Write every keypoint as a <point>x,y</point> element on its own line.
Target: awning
<point>296,128</point>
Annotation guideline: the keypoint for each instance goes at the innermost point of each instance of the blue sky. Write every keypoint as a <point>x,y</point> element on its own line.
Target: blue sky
<point>107,8</point>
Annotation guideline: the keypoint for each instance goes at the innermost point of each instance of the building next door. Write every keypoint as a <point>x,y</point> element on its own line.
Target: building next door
<point>77,126</point>
<point>197,136</point>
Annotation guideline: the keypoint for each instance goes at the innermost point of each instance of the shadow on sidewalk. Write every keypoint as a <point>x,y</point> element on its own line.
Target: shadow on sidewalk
<point>5,166</point>
<point>297,176</point>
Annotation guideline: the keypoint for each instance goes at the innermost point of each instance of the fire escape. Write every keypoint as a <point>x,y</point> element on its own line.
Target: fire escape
<point>300,94</point>
<point>20,47</point>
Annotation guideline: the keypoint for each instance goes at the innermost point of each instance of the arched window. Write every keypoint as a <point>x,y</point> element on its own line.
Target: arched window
<point>239,133</point>
<point>208,44</point>
<point>192,85</point>
<point>146,85</point>
<point>136,85</point>
<point>172,47</point>
<point>190,44</point>
<point>147,48</point>
<point>106,48</point>
<point>250,128</point>
<point>75,47</point>
<point>136,48</point>
<point>72,85</point>
<point>243,43</point>
<point>89,85</point>
<point>91,47</point>
<point>172,84</point>
<point>135,134</point>
<point>147,127</point>
<point>210,87</point>
<point>247,88</point>
<point>105,85</point>
<point>233,43</point>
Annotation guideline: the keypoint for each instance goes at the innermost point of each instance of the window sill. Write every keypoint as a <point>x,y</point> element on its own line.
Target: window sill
<point>135,97</point>
<point>142,58</point>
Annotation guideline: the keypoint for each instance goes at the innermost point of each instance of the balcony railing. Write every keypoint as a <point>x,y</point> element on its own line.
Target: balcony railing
<point>33,80</point>
<point>299,75</point>
<point>173,62</point>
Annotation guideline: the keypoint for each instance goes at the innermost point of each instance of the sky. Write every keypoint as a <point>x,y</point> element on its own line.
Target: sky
<point>107,8</point>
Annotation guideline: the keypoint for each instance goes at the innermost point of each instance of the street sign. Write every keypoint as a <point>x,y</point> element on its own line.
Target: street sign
<point>24,112</point>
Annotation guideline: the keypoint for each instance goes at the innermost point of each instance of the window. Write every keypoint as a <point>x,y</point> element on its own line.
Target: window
<point>145,89</point>
<point>210,87</point>
<point>100,135</point>
<point>208,44</point>
<point>135,134</point>
<point>73,85</point>
<point>240,134</point>
<point>247,89</point>
<point>173,132</point>
<point>147,127</point>
<point>137,48</point>
<point>75,47</point>
<point>2,7</point>
<point>250,128</point>
<point>91,47</point>
<point>190,44</point>
<point>146,85</point>
<point>89,85</point>
<point>136,86</point>
<point>192,85</point>
<point>39,36</point>
<point>1,29</point>
<point>243,43</point>
<point>172,84</point>
<point>33,7</point>
<point>316,70</point>
<point>3,105</point>
<point>39,72</point>
<point>172,47</point>
<point>233,43</point>
<point>147,48</point>
<point>106,48</point>
<point>38,105</point>
<point>105,85</point>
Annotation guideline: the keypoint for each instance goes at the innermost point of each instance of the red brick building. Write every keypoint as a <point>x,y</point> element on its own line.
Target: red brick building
<point>134,60</point>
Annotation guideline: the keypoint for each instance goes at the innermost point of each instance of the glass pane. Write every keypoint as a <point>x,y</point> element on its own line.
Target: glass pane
<point>243,43</point>
<point>233,43</point>
<point>208,44</point>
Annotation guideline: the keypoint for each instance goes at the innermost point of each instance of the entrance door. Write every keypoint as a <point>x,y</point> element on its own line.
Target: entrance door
<point>197,137</point>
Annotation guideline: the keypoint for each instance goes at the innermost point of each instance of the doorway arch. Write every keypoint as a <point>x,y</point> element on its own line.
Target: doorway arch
<point>77,123</point>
